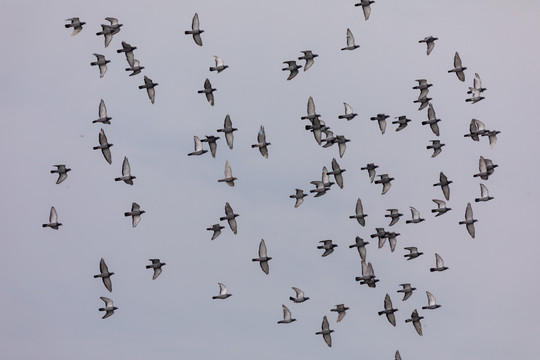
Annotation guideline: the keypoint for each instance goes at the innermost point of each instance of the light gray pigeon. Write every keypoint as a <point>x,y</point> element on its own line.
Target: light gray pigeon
<point>309,56</point>
<point>53,220</point>
<point>371,170</point>
<point>342,141</point>
<point>102,63</point>
<point>230,217</point>
<point>220,65</point>
<point>368,275</point>
<point>430,42</point>
<point>328,247</point>
<point>261,142</point>
<point>149,85</point>
<point>292,67</point>
<point>432,120</point>
<point>360,244</point>
<point>287,319</point>
<point>477,88</point>
<point>195,30</point>
<point>299,196</point>
<point>337,171</point>
<point>443,183</point>
<point>476,128</point>
<point>136,68</point>
<point>127,49</point>
<point>216,228</point>
<point>76,24</point>
<point>223,292</point>
<point>62,171</point>
<point>484,194</point>
<point>385,181</point>
<point>349,114</point>
<point>394,215</point>
<point>156,265</point>
<point>350,41</point>
<point>228,179</point>
<point>198,147</point>
<point>263,257</point>
<point>492,135</point>
<point>407,290</point>
<point>423,101</point>
<point>439,264</point>
<point>365,4</point>
<point>413,253</point>
<point>381,119</point>
<point>115,25</point>
<point>381,234</point>
<point>486,168</point>
<point>208,91</point>
<point>108,31</point>
<point>359,216</point>
<point>441,207</point>
<point>300,298</point>
<point>109,308</point>
<point>416,321</point>
<point>103,118</point>
<point>341,310</point>
<point>392,239</point>
<point>389,310</point>
<point>211,140</point>
<point>126,173</point>
<point>474,99</point>
<point>325,332</point>
<point>311,114</point>
<point>436,146</point>
<point>432,303</point>
<point>228,130</point>
<point>458,68</point>
<point>105,275</point>
<point>323,185</point>
<point>423,86</point>
<point>402,121</point>
<point>469,221</point>
<point>135,214</point>
<point>104,146</point>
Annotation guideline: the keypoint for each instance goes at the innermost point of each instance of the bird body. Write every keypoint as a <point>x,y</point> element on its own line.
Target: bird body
<point>371,170</point>
<point>300,298</point>
<point>415,318</point>
<point>441,207</point>
<point>360,245</point>
<point>443,183</point>
<point>228,130</point>
<point>469,221</point>
<point>432,303</point>
<point>365,4</point>
<point>484,194</point>
<point>220,65</point>
<point>413,253</point>
<point>381,119</point>
<point>341,310</point>
<point>394,215</point>
<point>309,56</point>
<point>359,216</point>
<point>228,179</point>
<point>216,228</point>
<point>136,68</point>
<point>287,319</point>
<point>432,120</point>
<point>389,310</point>
<point>436,145</point>
<point>299,196</point>
<point>103,118</point>
<point>292,67</point>
<point>402,121</point>
<point>385,181</point>
<point>407,290</point>
<point>349,114</point>
<point>127,49</point>
<point>198,147</point>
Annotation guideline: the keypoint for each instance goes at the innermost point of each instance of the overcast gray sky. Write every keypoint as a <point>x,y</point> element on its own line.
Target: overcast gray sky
<point>50,97</point>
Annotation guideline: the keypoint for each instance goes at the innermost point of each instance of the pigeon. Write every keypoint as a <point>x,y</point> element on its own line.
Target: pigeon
<point>368,275</point>
<point>223,292</point>
<point>198,147</point>
<point>229,179</point>
<point>220,65</point>
<point>397,356</point>
<point>263,258</point>
<point>371,170</point>
<point>484,194</point>
<point>359,213</point>
<point>211,140</point>
<point>477,86</point>
<point>340,309</point>
<point>402,121</point>
<point>195,31</point>
<point>350,41</point>
<point>476,128</point>
<point>416,321</point>
<point>261,142</point>
<point>407,290</point>
<point>105,275</point>
<point>385,181</point>
<point>439,264</point>
<point>474,99</point>
<point>230,217</point>
<point>115,26</point>
<point>469,221</point>
<point>413,253</point>
<point>216,228</point>
<point>103,118</point>
<point>423,101</point>
<point>299,196</point>
<point>309,56</point>
<point>392,239</point>
<point>349,114</point>
<point>149,85</point>
<point>228,130</point>
<point>136,68</point>
<point>337,171</point>
<point>126,173</point>
<point>208,91</point>
<point>341,141</point>
<point>423,86</point>
<point>430,42</point>
<point>492,135</point>
<point>62,171</point>
<point>156,265</point>
<point>436,146</point>
<point>76,24</point>
<point>286,316</point>
<point>381,234</point>
<point>441,207</point>
<point>102,63</point>
<point>316,128</point>
<point>365,4</point>
<point>128,51</point>
<point>135,214</point>
<point>432,120</point>
<point>432,303</point>
<point>389,310</point>
<point>325,332</point>
<point>458,68</point>
<point>323,185</point>
<point>109,308</point>
<point>292,67</point>
<point>381,119</point>
<point>486,168</point>
<point>360,244</point>
<point>104,146</point>
<point>394,215</point>
<point>300,298</point>
<point>328,247</point>
<point>53,220</point>
<point>443,183</point>
<point>107,31</point>
<point>311,114</point>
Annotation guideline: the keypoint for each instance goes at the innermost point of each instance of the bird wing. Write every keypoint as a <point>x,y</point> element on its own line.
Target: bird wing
<point>198,143</point>
<point>342,147</point>
<point>457,61</point>
<point>222,289</point>
<point>233,225</point>
<point>299,293</point>
<point>261,136</point>
<point>228,170</point>
<point>418,327</point>
<point>477,83</point>
<point>112,20</point>
<point>103,267</point>
<point>398,356</point>
<point>431,298</point>
<point>387,302</point>
<point>107,282</point>
<point>386,187</point>
<point>482,166</point>
<point>293,74</point>
<point>130,58</point>
<point>157,272</point>
<point>367,11</point>
<point>230,139</point>
<point>350,38</point>
<point>430,46</point>
<point>197,39</point>
<point>468,212</point>
<point>382,124</point>
<point>61,177</point>
<point>328,339</point>
<point>359,207</point>
<point>53,216</point>
<point>328,252</point>
<point>262,249</point>
<point>470,229</point>
<point>286,313</point>
<point>310,106</point>
<point>484,191</point>
<point>102,137</point>
<point>371,173</point>
<point>438,262</point>
<point>210,98</point>
<point>325,325</point>
<point>102,109</point>
<point>228,210</point>
<point>219,61</point>
<point>135,220</point>
<point>435,128</point>
<point>391,318</point>
<point>431,112</point>
<point>107,154</point>
<point>325,176</point>
<point>227,124</point>
<point>335,165</point>
<point>341,315</point>
<point>348,109</point>
<point>108,302</point>
<point>195,22</point>
<point>151,94</point>
<point>415,213</point>
<point>264,266</point>
<point>309,62</point>
<point>126,169</point>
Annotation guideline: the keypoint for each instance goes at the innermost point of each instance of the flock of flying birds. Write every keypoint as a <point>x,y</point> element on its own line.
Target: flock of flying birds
<point>325,138</point>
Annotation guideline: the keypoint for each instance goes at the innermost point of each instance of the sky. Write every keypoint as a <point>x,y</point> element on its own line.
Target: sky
<point>51,95</point>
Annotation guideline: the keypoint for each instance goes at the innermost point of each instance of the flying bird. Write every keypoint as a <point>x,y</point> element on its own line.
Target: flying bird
<point>341,310</point>
<point>385,181</point>
<point>432,120</point>
<point>62,171</point>
<point>416,321</point>
<point>349,114</point>
<point>402,121</point>
<point>136,68</point>
<point>127,49</point>
<point>441,207</point>
<point>76,24</point>
<point>228,179</point>
<point>261,142</point>
<point>413,253</point>
<point>220,65</point>
<point>430,42</point>
<point>103,118</point>
<point>394,215</point>
<point>458,68</point>
<point>292,67</point>
<point>476,128</point>
<point>444,184</point>
<point>263,257</point>
<point>211,140</point>
<point>126,173</point>
<point>360,244</point>
<point>328,247</point>
<point>486,168</point>
<point>359,216</point>
<point>208,91</point>
<point>299,196</point>
<point>109,308</point>
<point>469,221</point>
<point>337,171</point>
<point>350,41</point>
<point>368,275</point>
<point>195,30</point>
<point>230,217</point>
<point>492,135</point>
<point>392,239</point>
<point>102,63</point>
<point>105,275</point>
<point>53,220</point>
<point>325,332</point>
<point>432,303</point>
<point>484,194</point>
<point>423,86</point>
<point>149,85</point>
<point>311,114</point>
<point>389,310</point>
<point>135,214</point>
<point>156,265</point>
<point>477,86</point>
<point>309,56</point>
<point>287,319</point>
<point>436,145</point>
<point>371,170</point>
<point>381,234</point>
<point>342,141</point>
<point>223,292</point>
<point>115,25</point>
<point>198,147</point>
<point>407,290</point>
<point>228,130</point>
<point>107,32</point>
<point>365,4</point>
<point>381,119</point>
<point>439,264</point>
<point>216,228</point>
<point>300,298</point>
<point>104,146</point>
